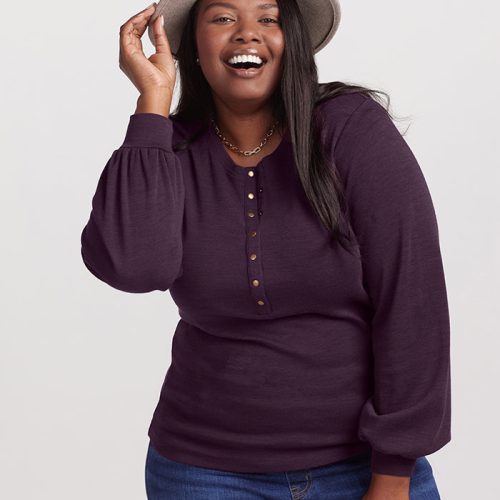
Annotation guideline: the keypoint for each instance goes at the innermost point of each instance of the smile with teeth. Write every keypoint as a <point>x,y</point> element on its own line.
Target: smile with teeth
<point>246,61</point>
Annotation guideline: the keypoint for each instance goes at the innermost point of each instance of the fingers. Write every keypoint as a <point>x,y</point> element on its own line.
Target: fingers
<point>136,26</point>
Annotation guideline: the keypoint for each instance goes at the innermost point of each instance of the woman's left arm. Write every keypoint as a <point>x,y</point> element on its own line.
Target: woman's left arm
<point>392,214</point>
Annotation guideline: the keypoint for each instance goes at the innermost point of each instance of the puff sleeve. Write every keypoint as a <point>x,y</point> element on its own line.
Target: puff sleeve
<point>409,412</point>
<point>133,238</point>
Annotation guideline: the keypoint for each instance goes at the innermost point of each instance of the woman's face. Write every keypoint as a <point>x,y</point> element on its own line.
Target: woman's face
<point>228,27</point>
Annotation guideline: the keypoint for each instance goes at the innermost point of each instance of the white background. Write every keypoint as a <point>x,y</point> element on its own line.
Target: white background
<point>81,364</point>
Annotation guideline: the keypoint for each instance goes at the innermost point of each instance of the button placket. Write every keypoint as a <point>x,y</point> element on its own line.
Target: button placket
<point>253,213</point>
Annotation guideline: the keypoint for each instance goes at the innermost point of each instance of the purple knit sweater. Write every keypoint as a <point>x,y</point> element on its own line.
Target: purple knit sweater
<point>290,352</point>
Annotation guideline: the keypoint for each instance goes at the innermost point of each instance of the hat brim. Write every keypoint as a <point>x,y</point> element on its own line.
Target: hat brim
<point>322,18</point>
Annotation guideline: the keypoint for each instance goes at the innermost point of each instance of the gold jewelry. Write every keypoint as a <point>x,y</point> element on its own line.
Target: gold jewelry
<point>238,150</point>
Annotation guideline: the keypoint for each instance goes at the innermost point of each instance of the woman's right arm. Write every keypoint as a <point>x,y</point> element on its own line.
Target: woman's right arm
<point>133,238</point>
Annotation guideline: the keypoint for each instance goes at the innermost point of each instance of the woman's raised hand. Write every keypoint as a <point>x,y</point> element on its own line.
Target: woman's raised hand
<point>153,76</point>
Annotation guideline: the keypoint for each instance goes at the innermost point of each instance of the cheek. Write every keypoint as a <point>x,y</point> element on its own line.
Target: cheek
<point>276,44</point>
<point>207,45</point>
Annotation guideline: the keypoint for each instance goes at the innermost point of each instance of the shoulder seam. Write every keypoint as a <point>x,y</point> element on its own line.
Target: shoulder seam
<point>350,116</point>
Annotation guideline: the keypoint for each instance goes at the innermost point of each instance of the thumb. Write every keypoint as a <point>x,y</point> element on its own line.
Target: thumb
<point>162,45</point>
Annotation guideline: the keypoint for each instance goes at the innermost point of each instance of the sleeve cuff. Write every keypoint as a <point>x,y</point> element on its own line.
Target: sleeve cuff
<point>394,465</point>
<point>149,130</point>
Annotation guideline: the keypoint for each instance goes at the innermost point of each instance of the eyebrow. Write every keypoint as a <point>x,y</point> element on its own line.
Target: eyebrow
<point>262,6</point>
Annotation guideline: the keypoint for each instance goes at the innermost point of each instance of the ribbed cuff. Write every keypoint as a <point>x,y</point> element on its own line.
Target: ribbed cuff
<point>149,130</point>
<point>394,465</point>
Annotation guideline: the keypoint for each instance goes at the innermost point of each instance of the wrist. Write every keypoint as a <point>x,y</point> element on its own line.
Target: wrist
<point>158,102</point>
<point>386,487</point>
<point>390,483</point>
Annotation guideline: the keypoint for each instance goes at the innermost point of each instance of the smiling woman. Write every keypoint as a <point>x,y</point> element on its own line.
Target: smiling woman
<point>295,231</point>
<point>205,34</point>
<point>218,27</point>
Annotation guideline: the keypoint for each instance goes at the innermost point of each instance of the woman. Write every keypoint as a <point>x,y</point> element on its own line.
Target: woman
<point>295,231</point>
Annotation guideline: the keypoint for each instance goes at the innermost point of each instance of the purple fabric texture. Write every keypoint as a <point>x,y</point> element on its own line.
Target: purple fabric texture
<point>290,352</point>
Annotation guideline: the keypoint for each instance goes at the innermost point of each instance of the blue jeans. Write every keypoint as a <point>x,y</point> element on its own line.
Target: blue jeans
<point>345,480</point>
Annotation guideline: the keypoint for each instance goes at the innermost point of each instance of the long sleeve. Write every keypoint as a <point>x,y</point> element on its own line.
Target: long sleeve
<point>409,412</point>
<point>133,239</point>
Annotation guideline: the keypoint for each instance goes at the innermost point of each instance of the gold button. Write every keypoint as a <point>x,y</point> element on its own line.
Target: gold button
<point>251,214</point>
<point>250,173</point>
<point>255,282</point>
<point>253,233</point>
<point>253,256</point>
<point>260,302</point>
<point>251,196</point>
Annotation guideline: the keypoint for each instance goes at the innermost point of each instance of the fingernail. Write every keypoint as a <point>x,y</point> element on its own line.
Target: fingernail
<point>162,20</point>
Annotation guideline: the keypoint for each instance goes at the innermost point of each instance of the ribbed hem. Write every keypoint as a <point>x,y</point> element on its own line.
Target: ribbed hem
<point>261,461</point>
<point>394,465</point>
<point>149,130</point>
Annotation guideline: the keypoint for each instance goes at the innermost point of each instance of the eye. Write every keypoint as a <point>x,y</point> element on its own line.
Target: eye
<point>266,19</point>
<point>223,17</point>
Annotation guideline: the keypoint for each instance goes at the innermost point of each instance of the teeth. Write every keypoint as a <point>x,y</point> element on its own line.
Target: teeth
<point>245,58</point>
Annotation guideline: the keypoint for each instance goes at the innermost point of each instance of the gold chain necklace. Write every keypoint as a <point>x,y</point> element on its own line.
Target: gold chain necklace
<point>238,150</point>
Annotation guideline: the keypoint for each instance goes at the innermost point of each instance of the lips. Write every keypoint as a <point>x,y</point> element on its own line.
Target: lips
<point>245,73</point>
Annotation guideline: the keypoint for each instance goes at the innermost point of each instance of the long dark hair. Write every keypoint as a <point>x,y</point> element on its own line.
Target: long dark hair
<point>293,104</point>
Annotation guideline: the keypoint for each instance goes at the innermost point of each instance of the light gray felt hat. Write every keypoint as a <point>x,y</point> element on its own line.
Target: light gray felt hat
<point>322,18</point>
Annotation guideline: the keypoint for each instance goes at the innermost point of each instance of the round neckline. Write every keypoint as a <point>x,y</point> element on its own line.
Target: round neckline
<point>219,151</point>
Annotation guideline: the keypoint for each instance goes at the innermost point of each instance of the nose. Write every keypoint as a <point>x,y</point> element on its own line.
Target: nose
<point>246,31</point>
